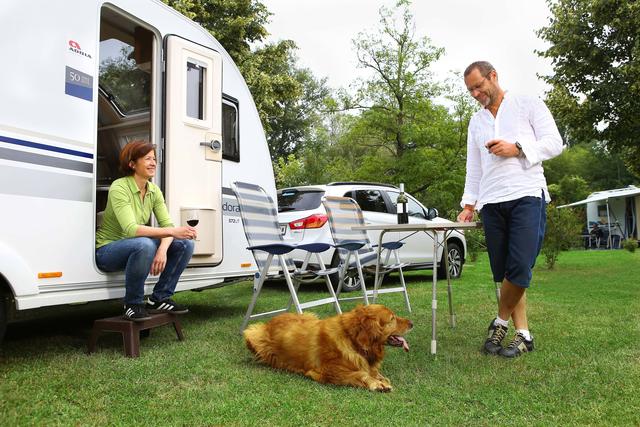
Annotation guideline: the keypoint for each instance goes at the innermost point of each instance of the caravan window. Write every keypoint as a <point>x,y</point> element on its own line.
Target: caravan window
<point>196,76</point>
<point>230,132</point>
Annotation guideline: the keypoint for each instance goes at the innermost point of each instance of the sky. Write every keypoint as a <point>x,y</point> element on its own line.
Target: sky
<point>499,31</point>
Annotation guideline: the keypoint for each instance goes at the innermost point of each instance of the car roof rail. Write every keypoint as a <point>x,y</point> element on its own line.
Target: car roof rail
<point>362,183</point>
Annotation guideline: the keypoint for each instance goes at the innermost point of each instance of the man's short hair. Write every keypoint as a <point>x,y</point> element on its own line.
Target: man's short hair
<point>484,67</point>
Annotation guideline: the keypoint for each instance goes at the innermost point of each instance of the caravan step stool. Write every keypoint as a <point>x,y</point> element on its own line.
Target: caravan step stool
<point>131,330</point>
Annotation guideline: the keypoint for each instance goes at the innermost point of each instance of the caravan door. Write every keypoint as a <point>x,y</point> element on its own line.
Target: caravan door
<point>193,143</point>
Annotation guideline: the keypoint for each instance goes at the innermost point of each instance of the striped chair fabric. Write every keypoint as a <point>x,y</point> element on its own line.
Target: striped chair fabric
<point>355,249</point>
<point>260,223</point>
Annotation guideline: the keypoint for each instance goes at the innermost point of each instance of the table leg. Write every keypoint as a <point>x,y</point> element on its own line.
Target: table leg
<point>452,315</point>
<point>375,283</point>
<point>434,300</point>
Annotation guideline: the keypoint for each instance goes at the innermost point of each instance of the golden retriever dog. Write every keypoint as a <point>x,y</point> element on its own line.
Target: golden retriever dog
<point>346,349</point>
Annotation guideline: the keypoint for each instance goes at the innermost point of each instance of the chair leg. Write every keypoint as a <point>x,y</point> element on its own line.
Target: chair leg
<point>258,280</point>
<point>292,288</point>
<point>378,283</point>
<point>342,273</point>
<point>497,293</point>
<point>404,286</point>
<point>361,275</point>
<point>329,286</point>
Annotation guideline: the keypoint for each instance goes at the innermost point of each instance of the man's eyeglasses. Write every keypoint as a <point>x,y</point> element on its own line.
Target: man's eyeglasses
<point>477,86</point>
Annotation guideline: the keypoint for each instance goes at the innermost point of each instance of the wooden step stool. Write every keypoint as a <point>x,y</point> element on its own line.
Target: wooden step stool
<point>131,330</point>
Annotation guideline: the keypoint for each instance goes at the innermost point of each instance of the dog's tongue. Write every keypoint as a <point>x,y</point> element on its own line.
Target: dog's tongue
<point>398,341</point>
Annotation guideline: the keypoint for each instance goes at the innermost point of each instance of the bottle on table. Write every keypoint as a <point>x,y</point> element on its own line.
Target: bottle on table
<point>401,207</point>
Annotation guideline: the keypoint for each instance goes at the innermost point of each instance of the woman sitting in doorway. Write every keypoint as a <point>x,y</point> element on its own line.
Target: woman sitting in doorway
<point>124,241</point>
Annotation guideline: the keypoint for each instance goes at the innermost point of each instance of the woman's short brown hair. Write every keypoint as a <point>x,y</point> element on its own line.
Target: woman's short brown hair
<point>132,152</point>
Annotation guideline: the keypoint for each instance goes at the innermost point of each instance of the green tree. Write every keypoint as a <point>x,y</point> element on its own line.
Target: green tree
<point>236,24</point>
<point>595,50</point>
<point>598,167</point>
<point>400,80</point>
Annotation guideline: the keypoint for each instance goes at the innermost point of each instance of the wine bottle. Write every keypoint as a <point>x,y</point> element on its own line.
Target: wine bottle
<point>401,207</point>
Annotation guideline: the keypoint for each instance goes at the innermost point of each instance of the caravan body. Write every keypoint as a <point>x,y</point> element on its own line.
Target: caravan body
<point>80,79</point>
<point>617,209</point>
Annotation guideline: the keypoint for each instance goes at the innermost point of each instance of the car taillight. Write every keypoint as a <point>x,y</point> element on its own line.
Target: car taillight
<point>313,221</point>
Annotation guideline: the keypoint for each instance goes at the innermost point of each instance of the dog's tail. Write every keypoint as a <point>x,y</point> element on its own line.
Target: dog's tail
<point>254,337</point>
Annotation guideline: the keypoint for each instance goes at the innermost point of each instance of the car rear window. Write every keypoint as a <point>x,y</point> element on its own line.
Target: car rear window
<point>299,200</point>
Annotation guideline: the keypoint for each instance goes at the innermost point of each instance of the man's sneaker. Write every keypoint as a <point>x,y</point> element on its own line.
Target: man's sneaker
<point>496,335</point>
<point>135,312</point>
<point>518,346</point>
<point>166,306</point>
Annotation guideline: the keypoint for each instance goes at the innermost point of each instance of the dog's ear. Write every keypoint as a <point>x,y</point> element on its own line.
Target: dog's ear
<point>369,330</point>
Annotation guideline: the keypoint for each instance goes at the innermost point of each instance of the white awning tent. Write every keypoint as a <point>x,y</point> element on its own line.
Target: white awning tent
<point>606,196</point>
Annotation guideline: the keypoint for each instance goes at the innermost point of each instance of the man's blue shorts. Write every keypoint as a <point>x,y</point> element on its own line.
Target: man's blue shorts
<point>514,231</point>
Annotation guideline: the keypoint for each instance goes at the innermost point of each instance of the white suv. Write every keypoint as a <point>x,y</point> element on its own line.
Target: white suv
<point>302,218</point>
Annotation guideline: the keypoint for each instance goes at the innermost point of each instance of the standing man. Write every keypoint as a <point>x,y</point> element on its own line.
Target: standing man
<point>507,142</point>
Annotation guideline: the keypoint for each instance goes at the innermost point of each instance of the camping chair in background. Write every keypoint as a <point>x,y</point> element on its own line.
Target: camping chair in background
<point>344,213</point>
<point>260,222</point>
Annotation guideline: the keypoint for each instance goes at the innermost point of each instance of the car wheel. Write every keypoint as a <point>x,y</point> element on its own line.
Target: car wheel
<point>351,282</point>
<point>455,262</point>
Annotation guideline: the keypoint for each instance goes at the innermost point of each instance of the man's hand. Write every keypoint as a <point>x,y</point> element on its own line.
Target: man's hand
<point>467,214</point>
<point>502,148</point>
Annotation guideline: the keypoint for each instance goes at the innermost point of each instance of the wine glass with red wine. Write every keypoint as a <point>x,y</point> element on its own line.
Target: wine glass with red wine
<point>192,218</point>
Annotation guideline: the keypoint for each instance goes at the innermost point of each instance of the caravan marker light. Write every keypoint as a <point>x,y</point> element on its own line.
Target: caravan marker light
<point>245,264</point>
<point>50,275</point>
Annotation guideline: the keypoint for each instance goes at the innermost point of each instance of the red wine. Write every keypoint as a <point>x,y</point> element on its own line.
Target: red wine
<point>193,222</point>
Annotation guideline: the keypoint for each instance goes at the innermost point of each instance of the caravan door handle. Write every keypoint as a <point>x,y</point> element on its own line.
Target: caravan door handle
<point>214,144</point>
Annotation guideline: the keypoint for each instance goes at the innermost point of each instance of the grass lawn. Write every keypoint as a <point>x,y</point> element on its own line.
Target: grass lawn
<point>586,368</point>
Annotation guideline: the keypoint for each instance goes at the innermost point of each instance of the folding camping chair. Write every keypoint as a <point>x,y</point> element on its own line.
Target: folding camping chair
<point>260,222</point>
<point>344,213</point>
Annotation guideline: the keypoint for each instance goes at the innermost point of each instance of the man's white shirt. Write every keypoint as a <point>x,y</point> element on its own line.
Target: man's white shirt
<point>495,179</point>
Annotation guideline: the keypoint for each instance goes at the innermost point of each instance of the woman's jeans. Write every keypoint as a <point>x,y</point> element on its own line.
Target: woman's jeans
<point>135,256</point>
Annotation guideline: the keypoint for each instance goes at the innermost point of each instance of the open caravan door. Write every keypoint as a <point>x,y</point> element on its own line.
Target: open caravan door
<point>193,148</point>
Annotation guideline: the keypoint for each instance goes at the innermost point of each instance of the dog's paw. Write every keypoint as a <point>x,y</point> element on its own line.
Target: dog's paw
<point>383,379</point>
<point>381,386</point>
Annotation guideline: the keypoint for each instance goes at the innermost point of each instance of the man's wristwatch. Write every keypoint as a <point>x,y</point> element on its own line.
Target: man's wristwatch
<point>519,147</point>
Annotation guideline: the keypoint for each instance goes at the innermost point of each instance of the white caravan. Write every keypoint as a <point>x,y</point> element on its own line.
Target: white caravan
<point>81,78</point>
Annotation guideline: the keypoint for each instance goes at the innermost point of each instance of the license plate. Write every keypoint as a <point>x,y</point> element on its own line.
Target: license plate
<point>283,229</point>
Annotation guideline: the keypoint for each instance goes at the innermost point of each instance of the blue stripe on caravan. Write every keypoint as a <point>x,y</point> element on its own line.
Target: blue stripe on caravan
<point>45,147</point>
<point>44,160</point>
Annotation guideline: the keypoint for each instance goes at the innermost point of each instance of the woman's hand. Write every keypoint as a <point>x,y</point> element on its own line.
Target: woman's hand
<point>187,232</point>
<point>159,262</point>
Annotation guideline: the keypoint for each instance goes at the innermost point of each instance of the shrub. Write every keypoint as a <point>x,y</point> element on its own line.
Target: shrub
<point>630,245</point>
<point>475,243</point>
<point>563,232</point>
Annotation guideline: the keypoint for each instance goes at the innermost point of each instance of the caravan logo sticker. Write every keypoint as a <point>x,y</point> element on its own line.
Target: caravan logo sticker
<point>74,47</point>
<point>78,84</point>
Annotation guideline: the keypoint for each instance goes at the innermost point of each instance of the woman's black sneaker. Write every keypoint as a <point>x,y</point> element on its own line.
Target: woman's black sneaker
<point>517,346</point>
<point>165,306</point>
<point>496,335</point>
<point>135,312</point>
